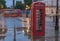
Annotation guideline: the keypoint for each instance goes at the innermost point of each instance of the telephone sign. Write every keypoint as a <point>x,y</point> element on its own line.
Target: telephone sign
<point>38,19</point>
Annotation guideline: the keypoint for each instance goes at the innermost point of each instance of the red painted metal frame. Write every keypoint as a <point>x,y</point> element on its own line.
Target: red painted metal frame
<point>33,19</point>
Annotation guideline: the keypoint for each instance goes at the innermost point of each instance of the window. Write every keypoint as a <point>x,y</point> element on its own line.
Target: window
<point>39,20</point>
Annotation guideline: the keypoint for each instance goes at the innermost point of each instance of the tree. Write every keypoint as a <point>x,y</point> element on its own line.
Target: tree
<point>3,4</point>
<point>19,5</point>
<point>27,2</point>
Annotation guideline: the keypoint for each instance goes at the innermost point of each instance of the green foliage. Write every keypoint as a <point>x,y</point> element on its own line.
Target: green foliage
<point>3,2</point>
<point>28,2</point>
<point>19,5</point>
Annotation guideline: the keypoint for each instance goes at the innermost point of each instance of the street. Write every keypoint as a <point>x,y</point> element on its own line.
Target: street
<point>21,35</point>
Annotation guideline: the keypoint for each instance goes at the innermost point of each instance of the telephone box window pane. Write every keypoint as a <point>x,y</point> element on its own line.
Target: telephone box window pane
<point>39,20</point>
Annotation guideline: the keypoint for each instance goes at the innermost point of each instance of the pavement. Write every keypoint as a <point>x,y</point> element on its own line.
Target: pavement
<point>21,36</point>
<point>50,30</point>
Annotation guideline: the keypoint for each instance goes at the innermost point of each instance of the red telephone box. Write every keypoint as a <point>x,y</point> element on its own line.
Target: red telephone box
<point>38,19</point>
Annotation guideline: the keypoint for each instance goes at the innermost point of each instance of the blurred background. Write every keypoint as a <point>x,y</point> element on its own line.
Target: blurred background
<point>15,20</point>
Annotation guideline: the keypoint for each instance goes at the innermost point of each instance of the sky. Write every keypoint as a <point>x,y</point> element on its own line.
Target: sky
<point>9,3</point>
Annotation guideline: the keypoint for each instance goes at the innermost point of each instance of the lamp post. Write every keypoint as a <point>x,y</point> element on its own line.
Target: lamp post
<point>57,19</point>
<point>14,23</point>
<point>13,3</point>
<point>57,22</point>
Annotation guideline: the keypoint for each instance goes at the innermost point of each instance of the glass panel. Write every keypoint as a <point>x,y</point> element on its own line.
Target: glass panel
<point>39,20</point>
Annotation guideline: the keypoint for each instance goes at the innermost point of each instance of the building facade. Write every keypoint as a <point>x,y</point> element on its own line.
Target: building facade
<point>50,6</point>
